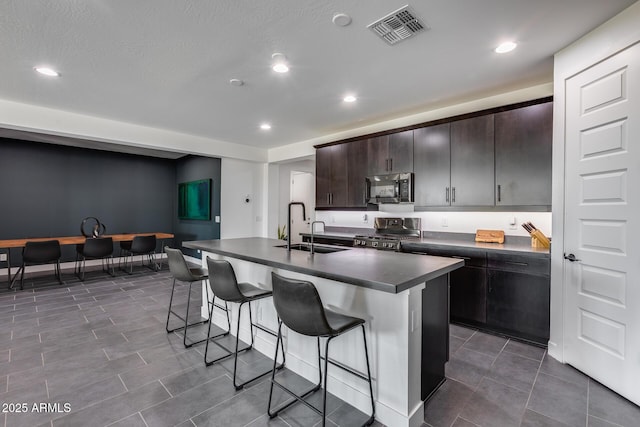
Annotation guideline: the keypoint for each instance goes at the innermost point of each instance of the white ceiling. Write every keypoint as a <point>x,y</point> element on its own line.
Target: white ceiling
<point>167,63</point>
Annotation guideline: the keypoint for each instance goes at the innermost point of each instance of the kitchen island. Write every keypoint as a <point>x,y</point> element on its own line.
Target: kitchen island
<point>402,297</point>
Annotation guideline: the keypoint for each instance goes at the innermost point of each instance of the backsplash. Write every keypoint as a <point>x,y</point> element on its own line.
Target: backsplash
<point>447,222</point>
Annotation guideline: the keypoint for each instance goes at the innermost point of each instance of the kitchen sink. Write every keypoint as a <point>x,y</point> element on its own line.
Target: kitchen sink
<point>316,248</point>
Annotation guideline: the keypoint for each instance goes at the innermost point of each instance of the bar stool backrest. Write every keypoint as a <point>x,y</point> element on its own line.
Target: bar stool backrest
<point>299,306</point>
<point>222,279</point>
<point>178,265</point>
<point>143,244</point>
<point>39,252</point>
<point>98,248</point>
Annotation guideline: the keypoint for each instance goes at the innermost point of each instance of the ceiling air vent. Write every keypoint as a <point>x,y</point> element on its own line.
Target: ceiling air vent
<point>398,25</point>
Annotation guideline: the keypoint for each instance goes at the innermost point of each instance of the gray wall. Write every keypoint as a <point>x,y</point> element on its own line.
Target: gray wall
<point>48,189</point>
<point>192,168</point>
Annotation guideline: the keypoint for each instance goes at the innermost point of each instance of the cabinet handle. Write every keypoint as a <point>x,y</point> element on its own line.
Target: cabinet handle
<point>386,165</point>
<point>499,196</point>
<point>331,198</point>
<point>516,263</point>
<point>453,194</point>
<point>460,257</point>
<point>328,199</point>
<point>447,195</point>
<point>390,164</point>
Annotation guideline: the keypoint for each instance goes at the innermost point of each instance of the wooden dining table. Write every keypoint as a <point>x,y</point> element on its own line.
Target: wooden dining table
<point>9,244</point>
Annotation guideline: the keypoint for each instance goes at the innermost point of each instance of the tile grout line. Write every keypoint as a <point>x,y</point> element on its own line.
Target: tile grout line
<point>526,406</point>
<point>588,397</point>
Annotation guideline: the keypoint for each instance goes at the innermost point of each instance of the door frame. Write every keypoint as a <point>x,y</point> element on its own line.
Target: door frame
<point>613,36</point>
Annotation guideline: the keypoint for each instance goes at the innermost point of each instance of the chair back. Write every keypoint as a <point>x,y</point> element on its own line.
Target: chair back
<point>143,244</point>
<point>299,306</point>
<point>98,248</point>
<point>41,252</point>
<point>178,265</point>
<point>222,279</point>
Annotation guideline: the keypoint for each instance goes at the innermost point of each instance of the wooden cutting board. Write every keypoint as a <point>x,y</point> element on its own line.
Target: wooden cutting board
<point>490,236</point>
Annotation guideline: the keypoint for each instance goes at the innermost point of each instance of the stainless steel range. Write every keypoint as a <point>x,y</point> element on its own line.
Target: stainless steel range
<point>389,233</point>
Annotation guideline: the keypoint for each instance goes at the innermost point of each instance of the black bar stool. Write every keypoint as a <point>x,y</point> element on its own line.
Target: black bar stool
<point>183,273</point>
<point>300,308</point>
<point>226,287</point>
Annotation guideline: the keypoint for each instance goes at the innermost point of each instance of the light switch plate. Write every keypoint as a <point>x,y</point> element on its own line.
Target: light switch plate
<point>218,219</point>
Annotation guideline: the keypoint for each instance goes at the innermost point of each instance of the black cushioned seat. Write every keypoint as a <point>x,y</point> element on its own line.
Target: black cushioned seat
<point>44,252</point>
<point>94,248</point>
<point>140,245</point>
<point>300,309</point>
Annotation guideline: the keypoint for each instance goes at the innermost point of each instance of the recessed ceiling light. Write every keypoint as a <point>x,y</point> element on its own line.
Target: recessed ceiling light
<point>47,71</point>
<point>236,82</point>
<point>265,126</point>
<point>349,98</point>
<point>279,63</point>
<point>506,47</point>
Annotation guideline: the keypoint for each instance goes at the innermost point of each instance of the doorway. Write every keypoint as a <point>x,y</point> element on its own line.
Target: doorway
<point>302,189</point>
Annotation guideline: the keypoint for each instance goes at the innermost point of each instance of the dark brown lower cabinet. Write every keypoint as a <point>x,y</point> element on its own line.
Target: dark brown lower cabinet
<point>501,292</point>
<point>518,303</point>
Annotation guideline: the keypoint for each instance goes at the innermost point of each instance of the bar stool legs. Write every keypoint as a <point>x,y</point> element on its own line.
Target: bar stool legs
<point>186,325</point>
<point>238,349</point>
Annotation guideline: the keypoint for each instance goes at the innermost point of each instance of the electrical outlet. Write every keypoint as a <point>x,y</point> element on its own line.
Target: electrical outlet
<point>513,223</point>
<point>364,218</point>
<point>445,221</point>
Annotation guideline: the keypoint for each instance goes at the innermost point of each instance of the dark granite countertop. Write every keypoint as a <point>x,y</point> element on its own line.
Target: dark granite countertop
<point>521,245</point>
<point>385,271</point>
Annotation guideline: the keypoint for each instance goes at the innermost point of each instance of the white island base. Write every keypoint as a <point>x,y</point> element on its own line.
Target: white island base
<point>394,324</point>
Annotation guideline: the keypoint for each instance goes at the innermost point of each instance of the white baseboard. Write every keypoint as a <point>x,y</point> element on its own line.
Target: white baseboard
<point>46,268</point>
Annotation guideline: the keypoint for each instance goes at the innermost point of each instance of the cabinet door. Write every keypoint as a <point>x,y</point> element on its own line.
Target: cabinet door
<point>323,176</point>
<point>518,303</point>
<point>523,156</point>
<point>472,166</point>
<point>378,155</point>
<point>468,287</point>
<point>331,176</point>
<point>357,168</point>
<point>401,152</point>
<point>431,156</point>
<point>339,176</point>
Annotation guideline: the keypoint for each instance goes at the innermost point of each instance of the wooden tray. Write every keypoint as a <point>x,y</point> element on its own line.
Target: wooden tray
<point>490,236</point>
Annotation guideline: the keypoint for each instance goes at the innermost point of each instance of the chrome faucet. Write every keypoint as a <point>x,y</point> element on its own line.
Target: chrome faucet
<point>304,217</point>
<point>312,224</point>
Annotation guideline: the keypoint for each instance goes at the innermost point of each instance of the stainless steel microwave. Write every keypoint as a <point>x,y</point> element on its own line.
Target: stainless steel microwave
<point>392,188</point>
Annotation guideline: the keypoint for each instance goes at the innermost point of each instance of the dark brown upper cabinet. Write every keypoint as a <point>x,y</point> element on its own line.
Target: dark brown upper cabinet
<point>432,165</point>
<point>453,163</point>
<point>357,169</point>
<point>331,176</point>
<point>472,168</point>
<point>391,153</point>
<point>523,156</point>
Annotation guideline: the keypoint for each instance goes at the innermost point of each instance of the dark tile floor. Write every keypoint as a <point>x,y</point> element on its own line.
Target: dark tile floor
<point>97,352</point>
<point>100,348</point>
<point>493,381</point>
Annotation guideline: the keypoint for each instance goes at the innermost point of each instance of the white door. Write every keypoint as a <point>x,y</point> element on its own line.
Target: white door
<point>302,190</point>
<point>602,223</point>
